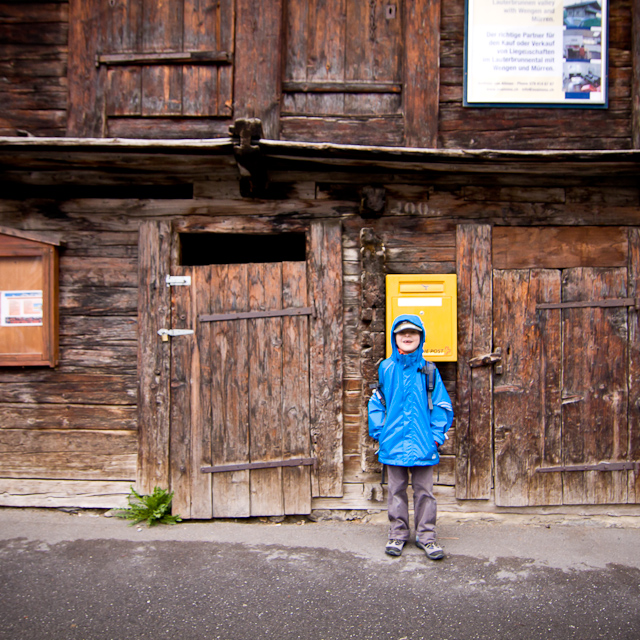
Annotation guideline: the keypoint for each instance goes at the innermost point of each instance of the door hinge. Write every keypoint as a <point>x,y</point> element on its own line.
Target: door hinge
<point>178,281</point>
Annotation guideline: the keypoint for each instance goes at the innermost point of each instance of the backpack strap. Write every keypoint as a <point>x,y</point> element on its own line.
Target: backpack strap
<point>429,371</point>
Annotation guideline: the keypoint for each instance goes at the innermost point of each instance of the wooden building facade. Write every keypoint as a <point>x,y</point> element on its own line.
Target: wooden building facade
<point>281,160</point>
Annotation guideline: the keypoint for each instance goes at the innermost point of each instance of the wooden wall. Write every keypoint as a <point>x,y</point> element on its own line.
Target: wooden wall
<point>68,435</point>
<point>527,128</point>
<point>43,57</point>
<point>33,68</point>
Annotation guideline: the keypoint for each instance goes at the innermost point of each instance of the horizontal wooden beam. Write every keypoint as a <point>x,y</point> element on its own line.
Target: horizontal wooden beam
<point>341,87</point>
<point>171,57</point>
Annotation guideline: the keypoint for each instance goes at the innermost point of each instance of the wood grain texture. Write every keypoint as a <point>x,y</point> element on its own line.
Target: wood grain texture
<point>258,63</point>
<point>154,313</point>
<point>595,386</point>
<point>182,347</point>
<point>422,73</point>
<point>634,364</point>
<point>230,390</point>
<point>265,388</point>
<point>559,247</point>
<point>325,288</point>
<point>527,396</point>
<point>474,386</point>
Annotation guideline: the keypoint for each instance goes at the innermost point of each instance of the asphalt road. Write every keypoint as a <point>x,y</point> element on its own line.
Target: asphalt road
<point>84,576</point>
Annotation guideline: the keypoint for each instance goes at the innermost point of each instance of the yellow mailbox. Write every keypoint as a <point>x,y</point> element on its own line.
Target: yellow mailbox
<point>433,298</point>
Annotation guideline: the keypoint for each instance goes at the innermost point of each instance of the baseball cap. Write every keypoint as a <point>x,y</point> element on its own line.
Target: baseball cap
<point>405,324</point>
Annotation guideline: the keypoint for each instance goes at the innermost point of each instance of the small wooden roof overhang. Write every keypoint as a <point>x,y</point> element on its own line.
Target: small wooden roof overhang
<point>119,161</point>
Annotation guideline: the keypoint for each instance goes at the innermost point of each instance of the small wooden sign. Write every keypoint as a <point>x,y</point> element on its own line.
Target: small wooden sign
<point>28,299</point>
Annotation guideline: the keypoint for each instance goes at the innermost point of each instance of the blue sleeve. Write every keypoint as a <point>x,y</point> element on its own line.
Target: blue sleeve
<point>442,412</point>
<point>377,414</point>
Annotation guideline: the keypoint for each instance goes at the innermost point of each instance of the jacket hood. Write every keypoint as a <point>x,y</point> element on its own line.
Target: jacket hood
<point>417,354</point>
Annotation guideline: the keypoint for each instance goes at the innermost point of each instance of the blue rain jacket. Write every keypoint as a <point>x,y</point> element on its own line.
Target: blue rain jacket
<point>406,430</point>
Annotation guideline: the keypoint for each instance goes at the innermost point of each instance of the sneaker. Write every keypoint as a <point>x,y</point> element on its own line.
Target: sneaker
<point>394,547</point>
<point>433,551</point>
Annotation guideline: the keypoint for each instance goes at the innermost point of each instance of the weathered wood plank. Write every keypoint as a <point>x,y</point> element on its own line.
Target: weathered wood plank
<point>182,379</point>
<point>559,247</point>
<point>634,364</point>
<point>154,313</point>
<point>201,394</point>
<point>635,82</point>
<point>230,390</point>
<point>86,83</point>
<point>98,272</point>
<point>325,284</point>
<point>296,439</point>
<point>422,73</point>
<point>68,416</point>
<point>349,130</point>
<point>265,388</point>
<point>473,412</point>
<point>257,86</point>
<point>526,398</point>
<point>595,386</point>
<point>89,494</point>
<point>69,455</point>
<point>61,387</point>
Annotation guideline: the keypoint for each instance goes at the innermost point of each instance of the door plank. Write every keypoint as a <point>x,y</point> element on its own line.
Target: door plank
<point>265,388</point>
<point>154,362</point>
<point>181,365</point>
<point>295,391</point>
<point>201,405</point>
<point>595,380</point>
<point>527,418</point>
<point>634,364</point>
<point>473,412</point>
<point>230,389</point>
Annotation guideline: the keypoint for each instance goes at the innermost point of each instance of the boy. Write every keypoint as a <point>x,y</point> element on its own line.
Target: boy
<point>409,433</point>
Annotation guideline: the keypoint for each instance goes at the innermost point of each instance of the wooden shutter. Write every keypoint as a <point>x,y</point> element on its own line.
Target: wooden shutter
<point>361,71</point>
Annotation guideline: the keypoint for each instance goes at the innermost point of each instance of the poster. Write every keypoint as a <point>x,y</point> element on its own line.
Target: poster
<point>21,308</point>
<point>536,52</point>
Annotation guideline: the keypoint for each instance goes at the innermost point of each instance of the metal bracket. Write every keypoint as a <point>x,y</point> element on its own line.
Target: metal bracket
<point>165,333</point>
<point>178,281</point>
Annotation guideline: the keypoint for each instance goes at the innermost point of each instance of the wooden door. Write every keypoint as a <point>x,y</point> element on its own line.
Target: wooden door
<point>184,389</point>
<point>240,391</point>
<point>552,313</point>
<point>561,394</point>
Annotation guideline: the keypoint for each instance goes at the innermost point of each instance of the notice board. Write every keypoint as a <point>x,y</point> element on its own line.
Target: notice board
<point>536,52</point>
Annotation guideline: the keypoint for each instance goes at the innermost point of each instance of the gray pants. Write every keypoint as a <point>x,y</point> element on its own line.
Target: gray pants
<point>424,503</point>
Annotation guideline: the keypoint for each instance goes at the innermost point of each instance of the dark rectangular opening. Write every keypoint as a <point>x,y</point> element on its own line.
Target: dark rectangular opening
<point>238,248</point>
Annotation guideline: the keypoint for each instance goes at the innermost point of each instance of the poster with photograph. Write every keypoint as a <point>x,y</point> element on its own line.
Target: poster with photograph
<point>536,52</point>
<point>21,308</point>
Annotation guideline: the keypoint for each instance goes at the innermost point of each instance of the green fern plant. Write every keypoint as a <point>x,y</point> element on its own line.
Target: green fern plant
<point>153,509</point>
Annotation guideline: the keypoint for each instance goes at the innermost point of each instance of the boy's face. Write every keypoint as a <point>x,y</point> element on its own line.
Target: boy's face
<point>408,340</point>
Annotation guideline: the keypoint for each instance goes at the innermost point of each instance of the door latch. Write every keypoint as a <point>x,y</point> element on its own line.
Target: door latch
<point>165,333</point>
<point>487,359</point>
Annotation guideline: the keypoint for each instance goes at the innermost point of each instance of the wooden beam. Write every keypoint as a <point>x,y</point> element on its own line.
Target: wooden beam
<point>86,82</point>
<point>422,73</point>
<point>635,65</point>
<point>325,288</point>
<point>474,386</point>
<point>154,312</point>
<point>258,73</point>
